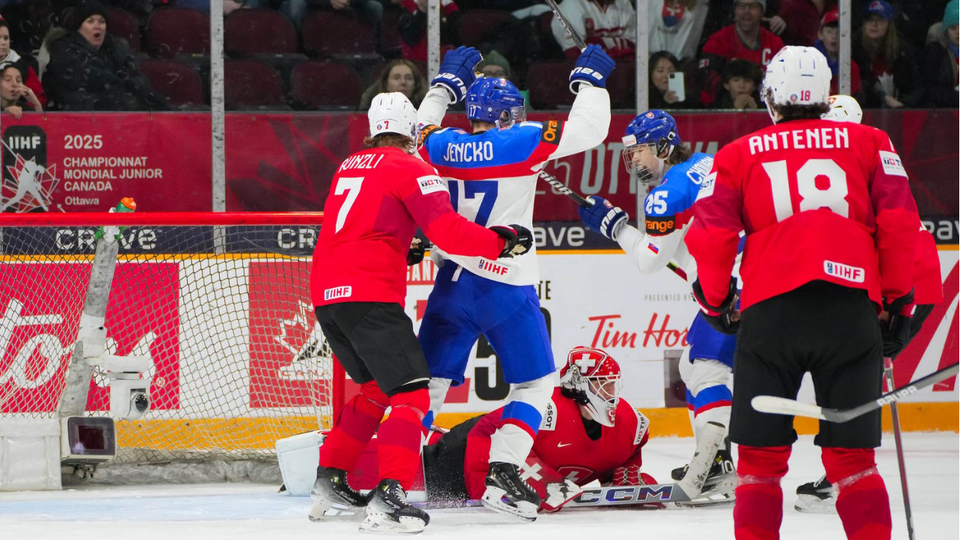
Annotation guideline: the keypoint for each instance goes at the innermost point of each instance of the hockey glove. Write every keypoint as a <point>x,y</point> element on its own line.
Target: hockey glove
<point>592,68</point>
<point>456,72</point>
<point>519,240</point>
<point>724,318</point>
<point>559,494</point>
<point>602,217</point>
<point>416,253</point>
<point>895,331</point>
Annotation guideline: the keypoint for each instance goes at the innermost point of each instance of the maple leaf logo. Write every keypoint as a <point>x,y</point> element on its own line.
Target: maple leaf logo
<point>301,335</point>
<point>30,186</point>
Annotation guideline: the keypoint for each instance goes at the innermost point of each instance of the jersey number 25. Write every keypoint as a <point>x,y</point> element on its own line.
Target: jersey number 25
<point>811,196</point>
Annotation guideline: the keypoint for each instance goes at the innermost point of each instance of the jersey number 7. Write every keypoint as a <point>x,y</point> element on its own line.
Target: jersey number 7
<point>811,196</point>
<point>352,186</point>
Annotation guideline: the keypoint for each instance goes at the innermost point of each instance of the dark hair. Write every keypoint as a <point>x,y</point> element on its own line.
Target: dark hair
<point>655,59</point>
<point>16,65</point>
<point>801,112</point>
<point>680,154</point>
<point>744,69</point>
<point>388,139</point>
<point>419,81</point>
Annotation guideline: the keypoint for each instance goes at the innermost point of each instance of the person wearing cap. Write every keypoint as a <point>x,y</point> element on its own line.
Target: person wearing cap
<point>745,39</point>
<point>9,56</point>
<point>940,61</point>
<point>91,70</point>
<point>14,95</point>
<point>889,70</point>
<point>828,43</point>
<point>377,200</point>
<point>803,19</point>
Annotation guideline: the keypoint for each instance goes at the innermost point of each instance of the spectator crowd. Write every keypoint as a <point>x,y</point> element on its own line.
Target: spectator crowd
<point>117,55</point>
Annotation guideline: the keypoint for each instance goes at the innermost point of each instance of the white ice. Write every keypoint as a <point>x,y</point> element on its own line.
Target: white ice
<point>257,512</point>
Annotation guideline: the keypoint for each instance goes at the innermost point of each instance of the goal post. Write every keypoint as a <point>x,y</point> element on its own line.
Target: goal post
<point>218,302</point>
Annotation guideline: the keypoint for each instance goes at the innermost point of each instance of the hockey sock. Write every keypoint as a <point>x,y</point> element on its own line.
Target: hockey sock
<point>693,416</point>
<point>438,394</point>
<point>401,435</point>
<point>513,440</point>
<point>355,426</point>
<point>862,500</point>
<point>712,405</point>
<point>758,511</point>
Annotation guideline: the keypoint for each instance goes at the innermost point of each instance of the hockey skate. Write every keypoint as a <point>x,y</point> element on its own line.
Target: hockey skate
<point>508,493</point>
<point>333,498</point>
<point>720,484</point>
<point>816,497</point>
<point>388,511</point>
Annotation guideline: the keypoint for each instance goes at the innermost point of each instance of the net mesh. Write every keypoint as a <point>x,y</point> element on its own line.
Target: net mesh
<point>223,312</point>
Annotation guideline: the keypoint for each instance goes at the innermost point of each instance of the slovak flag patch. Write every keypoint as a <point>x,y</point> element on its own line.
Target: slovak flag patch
<point>653,248</point>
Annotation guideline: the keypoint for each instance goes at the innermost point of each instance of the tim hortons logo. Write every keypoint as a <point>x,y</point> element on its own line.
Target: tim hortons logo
<point>301,335</point>
<point>658,333</point>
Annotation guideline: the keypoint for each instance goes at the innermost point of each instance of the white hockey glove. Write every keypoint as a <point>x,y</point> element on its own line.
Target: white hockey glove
<point>559,494</point>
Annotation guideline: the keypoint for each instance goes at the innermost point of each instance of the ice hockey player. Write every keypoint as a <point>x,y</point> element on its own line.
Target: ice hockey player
<point>378,198</point>
<point>828,215</point>
<point>492,173</point>
<point>587,433</point>
<point>654,154</point>
<point>819,496</point>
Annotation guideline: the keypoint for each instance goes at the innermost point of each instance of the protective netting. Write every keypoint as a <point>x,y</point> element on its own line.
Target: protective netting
<point>223,312</point>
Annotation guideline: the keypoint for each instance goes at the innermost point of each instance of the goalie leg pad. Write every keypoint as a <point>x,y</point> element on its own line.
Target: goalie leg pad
<point>355,426</point>
<point>862,500</point>
<point>400,436</point>
<point>758,511</point>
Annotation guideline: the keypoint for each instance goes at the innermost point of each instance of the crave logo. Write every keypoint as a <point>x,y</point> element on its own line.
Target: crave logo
<point>27,183</point>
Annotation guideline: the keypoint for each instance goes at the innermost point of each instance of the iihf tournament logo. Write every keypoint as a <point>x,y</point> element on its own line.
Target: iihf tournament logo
<point>27,182</point>
<point>301,335</point>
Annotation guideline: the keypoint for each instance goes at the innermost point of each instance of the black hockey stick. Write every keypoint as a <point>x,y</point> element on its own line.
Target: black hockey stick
<point>895,417</point>
<point>586,203</point>
<point>566,25</point>
<point>791,407</point>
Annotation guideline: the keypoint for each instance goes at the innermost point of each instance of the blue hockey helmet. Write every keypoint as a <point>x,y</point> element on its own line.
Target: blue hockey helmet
<point>495,100</point>
<point>656,129</point>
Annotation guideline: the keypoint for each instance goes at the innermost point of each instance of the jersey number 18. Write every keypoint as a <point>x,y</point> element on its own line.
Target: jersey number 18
<point>811,196</point>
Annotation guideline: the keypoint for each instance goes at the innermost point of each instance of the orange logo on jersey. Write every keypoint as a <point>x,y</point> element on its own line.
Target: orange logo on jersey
<point>551,131</point>
<point>660,226</point>
<point>425,132</point>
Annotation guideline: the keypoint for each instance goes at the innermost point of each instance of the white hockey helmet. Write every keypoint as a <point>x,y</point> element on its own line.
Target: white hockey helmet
<point>796,76</point>
<point>843,109</point>
<point>392,112</point>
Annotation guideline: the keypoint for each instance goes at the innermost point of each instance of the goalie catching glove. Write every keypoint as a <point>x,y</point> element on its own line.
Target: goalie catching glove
<point>457,72</point>
<point>519,240</point>
<point>602,217</point>
<point>724,318</point>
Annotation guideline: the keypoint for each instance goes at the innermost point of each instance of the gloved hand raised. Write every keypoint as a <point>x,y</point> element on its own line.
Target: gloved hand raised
<point>456,71</point>
<point>602,216</point>
<point>592,68</point>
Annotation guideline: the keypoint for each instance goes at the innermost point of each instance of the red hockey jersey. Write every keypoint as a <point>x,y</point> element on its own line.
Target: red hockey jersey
<point>927,282</point>
<point>377,199</point>
<point>725,45</point>
<point>818,201</point>
<point>562,448</point>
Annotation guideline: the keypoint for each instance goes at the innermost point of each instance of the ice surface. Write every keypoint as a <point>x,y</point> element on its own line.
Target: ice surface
<point>257,512</point>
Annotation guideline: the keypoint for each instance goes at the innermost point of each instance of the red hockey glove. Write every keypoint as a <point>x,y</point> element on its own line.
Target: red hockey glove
<point>724,318</point>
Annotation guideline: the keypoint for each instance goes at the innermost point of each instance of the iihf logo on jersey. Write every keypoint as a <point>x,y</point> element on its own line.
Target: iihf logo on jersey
<point>27,183</point>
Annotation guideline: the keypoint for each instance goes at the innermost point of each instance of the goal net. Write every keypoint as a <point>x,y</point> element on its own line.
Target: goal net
<point>219,302</point>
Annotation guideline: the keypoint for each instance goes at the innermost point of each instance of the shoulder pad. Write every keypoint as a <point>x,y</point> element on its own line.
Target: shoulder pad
<point>549,422</point>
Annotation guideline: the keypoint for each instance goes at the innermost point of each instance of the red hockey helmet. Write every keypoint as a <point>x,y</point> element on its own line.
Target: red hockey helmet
<point>592,378</point>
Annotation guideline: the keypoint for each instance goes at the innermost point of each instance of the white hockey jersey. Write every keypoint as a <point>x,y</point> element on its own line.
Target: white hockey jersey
<point>613,26</point>
<point>492,176</point>
<point>676,28</point>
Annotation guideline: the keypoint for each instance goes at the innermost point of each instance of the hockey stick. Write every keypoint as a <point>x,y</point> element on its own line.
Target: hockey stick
<point>586,203</point>
<point>566,25</point>
<point>895,416</point>
<point>791,407</point>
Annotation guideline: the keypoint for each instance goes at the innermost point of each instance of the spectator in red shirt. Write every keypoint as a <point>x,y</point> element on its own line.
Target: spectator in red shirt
<point>744,39</point>
<point>829,45</point>
<point>413,28</point>
<point>803,19</point>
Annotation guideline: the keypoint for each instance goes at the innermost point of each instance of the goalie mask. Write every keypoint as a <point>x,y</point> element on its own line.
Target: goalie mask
<point>654,133</point>
<point>592,378</point>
